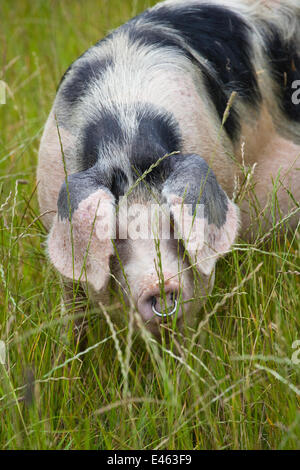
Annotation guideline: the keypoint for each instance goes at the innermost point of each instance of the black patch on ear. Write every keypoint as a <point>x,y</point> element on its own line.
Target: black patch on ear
<point>220,35</point>
<point>85,71</point>
<point>100,133</point>
<point>80,186</point>
<point>284,59</point>
<point>157,135</point>
<point>192,179</point>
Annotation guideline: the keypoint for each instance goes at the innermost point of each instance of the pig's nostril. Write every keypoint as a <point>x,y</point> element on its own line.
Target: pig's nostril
<point>171,309</point>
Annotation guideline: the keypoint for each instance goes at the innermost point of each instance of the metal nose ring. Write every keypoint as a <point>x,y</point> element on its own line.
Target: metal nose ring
<point>164,315</point>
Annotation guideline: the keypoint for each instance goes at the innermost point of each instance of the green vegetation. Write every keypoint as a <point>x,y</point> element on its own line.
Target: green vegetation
<point>234,387</point>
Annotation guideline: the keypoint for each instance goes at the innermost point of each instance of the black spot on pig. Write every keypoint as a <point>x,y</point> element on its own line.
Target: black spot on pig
<point>155,37</point>
<point>119,183</point>
<point>284,59</point>
<point>157,135</point>
<point>220,100</point>
<point>158,37</point>
<point>98,135</point>
<point>221,36</point>
<point>216,33</point>
<point>84,73</point>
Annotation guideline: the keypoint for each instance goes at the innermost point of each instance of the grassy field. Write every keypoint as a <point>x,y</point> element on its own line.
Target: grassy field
<point>233,386</point>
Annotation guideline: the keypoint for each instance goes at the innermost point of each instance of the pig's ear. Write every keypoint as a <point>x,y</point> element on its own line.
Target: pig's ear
<point>204,217</point>
<point>81,250</point>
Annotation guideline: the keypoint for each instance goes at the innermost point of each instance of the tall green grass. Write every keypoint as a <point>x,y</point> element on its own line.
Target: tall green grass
<point>233,385</point>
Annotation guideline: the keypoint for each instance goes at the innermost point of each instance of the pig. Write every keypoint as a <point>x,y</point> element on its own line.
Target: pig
<point>169,109</point>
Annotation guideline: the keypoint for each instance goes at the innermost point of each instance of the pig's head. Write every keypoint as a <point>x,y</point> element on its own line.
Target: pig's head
<point>162,271</point>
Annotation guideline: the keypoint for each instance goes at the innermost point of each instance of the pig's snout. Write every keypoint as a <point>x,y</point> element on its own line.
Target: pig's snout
<point>155,304</point>
<point>166,306</point>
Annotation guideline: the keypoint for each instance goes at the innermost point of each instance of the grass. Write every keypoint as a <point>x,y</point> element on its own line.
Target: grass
<point>234,387</point>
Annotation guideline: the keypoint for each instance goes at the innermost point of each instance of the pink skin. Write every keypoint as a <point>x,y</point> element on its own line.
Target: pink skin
<point>88,220</point>
<point>273,156</point>
<point>214,242</point>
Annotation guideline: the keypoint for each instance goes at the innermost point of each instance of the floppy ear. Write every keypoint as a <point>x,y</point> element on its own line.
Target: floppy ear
<point>80,250</point>
<point>204,217</point>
